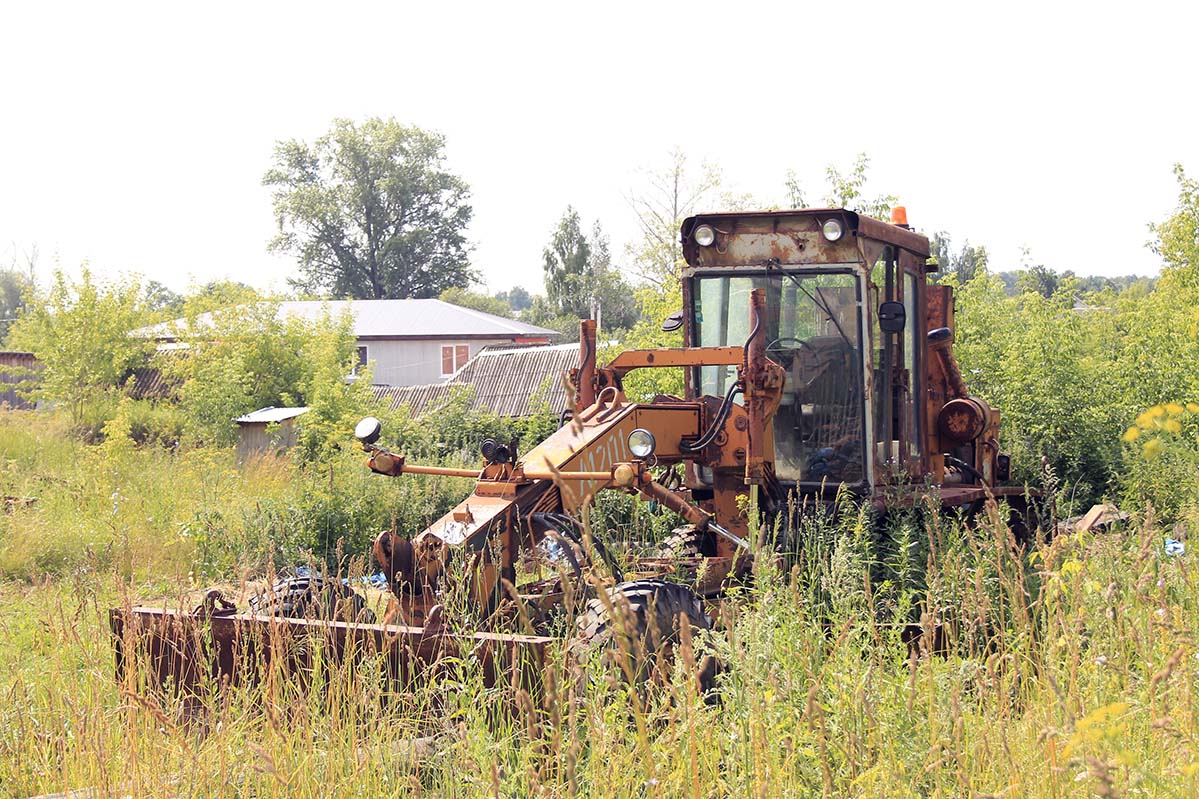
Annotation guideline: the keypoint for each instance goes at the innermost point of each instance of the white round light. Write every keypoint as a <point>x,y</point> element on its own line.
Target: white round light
<point>641,443</point>
<point>705,235</point>
<point>832,229</point>
<point>367,431</point>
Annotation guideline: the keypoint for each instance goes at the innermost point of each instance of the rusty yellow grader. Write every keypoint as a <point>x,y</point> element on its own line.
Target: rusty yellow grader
<point>817,359</point>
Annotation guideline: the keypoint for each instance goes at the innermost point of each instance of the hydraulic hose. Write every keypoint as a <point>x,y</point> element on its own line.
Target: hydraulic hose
<point>722,416</point>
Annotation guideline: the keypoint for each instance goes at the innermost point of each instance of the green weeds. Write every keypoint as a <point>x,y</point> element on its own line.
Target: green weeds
<point>931,659</point>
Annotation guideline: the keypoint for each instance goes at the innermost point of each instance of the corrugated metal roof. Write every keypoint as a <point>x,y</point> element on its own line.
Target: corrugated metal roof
<point>388,319</point>
<point>508,381</point>
<point>419,398</point>
<point>520,382</point>
<point>150,383</point>
<point>271,414</point>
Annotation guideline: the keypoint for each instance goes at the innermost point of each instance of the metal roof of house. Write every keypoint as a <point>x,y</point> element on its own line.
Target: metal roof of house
<point>271,414</point>
<point>389,319</point>
<point>419,398</point>
<point>152,383</point>
<point>509,381</point>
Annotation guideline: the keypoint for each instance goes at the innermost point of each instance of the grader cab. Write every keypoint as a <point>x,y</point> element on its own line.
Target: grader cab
<point>817,358</point>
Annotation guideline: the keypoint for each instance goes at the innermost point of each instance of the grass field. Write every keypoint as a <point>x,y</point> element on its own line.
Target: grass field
<point>1069,671</point>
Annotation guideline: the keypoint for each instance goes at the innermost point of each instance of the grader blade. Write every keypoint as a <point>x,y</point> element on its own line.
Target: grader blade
<point>197,655</point>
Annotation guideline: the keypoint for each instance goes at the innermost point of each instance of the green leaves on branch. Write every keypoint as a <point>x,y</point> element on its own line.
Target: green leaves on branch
<point>1177,238</point>
<point>80,333</point>
<point>371,213</point>
<point>248,357</point>
<point>580,282</point>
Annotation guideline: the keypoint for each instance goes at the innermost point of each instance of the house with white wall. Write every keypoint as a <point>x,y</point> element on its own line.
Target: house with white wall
<point>407,341</point>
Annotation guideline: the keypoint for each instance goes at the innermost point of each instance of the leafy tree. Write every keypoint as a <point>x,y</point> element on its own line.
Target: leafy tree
<point>845,190</point>
<point>611,295</point>
<point>243,358</point>
<point>669,196</point>
<point>1176,239</point>
<point>80,332</point>
<point>217,295</point>
<point>516,298</point>
<point>579,279</point>
<point>963,264</point>
<point>654,304</point>
<point>543,314</point>
<point>1040,361</point>
<point>1038,279</point>
<point>14,291</point>
<point>477,302</point>
<point>566,259</point>
<point>795,193</point>
<point>247,356</point>
<point>371,213</point>
<point>162,300</point>
<point>328,353</point>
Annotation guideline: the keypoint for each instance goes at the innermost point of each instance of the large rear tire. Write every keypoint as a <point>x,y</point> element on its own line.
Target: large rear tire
<point>637,626</point>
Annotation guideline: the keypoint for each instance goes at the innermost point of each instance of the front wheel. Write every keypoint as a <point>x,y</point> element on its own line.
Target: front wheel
<point>637,625</point>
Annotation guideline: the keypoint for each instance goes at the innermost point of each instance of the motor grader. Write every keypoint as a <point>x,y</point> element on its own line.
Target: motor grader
<point>817,359</point>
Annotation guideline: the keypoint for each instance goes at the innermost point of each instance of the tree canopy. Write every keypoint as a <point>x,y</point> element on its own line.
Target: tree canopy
<point>580,282</point>
<point>566,258</point>
<point>1176,239</point>
<point>80,332</point>
<point>371,213</point>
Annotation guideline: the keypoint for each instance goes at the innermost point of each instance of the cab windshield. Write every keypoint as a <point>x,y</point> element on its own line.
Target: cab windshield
<point>813,329</point>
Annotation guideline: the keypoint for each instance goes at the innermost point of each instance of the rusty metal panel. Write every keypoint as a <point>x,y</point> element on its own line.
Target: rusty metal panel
<point>194,654</point>
<point>759,239</point>
<point>755,237</point>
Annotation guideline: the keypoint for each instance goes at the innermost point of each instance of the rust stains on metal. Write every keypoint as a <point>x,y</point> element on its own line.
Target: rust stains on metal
<point>197,655</point>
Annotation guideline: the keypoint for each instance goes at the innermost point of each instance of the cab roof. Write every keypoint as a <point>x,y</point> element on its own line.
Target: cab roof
<point>857,224</point>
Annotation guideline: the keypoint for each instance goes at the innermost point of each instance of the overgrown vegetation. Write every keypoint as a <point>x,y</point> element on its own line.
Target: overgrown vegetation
<point>1067,672</point>
<point>1064,669</point>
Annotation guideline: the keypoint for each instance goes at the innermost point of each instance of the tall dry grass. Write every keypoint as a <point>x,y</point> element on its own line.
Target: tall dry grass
<point>1067,671</point>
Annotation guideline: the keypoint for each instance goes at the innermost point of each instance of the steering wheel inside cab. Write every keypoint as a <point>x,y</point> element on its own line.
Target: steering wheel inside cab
<point>783,350</point>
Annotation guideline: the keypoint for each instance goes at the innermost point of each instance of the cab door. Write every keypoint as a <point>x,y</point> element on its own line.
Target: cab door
<point>898,279</point>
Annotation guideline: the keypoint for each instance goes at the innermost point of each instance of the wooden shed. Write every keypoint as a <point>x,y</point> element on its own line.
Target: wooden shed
<point>267,430</point>
<point>16,369</point>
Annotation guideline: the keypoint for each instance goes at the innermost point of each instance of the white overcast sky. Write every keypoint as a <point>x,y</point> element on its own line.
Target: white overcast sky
<point>135,136</point>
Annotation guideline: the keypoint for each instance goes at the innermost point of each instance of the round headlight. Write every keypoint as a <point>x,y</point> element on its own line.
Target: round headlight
<point>832,229</point>
<point>367,431</point>
<point>705,235</point>
<point>641,443</point>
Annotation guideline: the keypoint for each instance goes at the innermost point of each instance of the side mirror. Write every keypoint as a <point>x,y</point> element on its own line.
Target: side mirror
<point>673,322</point>
<point>367,431</point>
<point>939,335</point>
<point>892,316</point>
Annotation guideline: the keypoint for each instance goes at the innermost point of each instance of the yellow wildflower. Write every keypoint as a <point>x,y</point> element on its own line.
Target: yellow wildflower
<point>1152,448</point>
<point>1173,426</point>
<point>1156,411</point>
<point>1144,421</point>
<point>1131,434</point>
<point>1193,407</point>
<point>1173,408</point>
